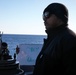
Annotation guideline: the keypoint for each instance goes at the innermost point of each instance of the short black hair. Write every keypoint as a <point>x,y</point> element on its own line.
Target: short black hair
<point>59,10</point>
<point>4,44</point>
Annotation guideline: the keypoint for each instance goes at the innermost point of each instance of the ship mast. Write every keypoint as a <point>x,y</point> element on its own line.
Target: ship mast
<point>0,39</point>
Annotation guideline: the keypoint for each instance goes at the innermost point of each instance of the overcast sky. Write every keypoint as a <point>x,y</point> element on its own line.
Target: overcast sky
<point>25,16</point>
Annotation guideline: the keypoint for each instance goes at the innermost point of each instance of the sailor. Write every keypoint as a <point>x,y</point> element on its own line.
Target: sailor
<point>5,51</point>
<point>17,49</point>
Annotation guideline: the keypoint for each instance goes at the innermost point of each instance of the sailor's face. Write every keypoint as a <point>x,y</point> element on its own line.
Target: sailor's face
<point>50,21</point>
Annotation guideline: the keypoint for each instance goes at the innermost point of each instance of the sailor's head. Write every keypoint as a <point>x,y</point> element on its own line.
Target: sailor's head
<point>4,45</point>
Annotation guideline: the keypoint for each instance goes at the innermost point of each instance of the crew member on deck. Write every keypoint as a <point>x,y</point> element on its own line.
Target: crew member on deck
<point>5,51</point>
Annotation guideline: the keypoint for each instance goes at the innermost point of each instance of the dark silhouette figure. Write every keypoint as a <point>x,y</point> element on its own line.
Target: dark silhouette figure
<point>58,54</point>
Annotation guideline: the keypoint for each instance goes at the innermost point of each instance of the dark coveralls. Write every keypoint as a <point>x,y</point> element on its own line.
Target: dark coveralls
<point>58,54</point>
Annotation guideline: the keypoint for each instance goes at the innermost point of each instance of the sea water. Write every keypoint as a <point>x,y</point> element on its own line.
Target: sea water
<point>15,39</point>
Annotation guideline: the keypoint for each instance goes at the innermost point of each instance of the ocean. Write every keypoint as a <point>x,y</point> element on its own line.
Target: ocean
<point>15,39</point>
